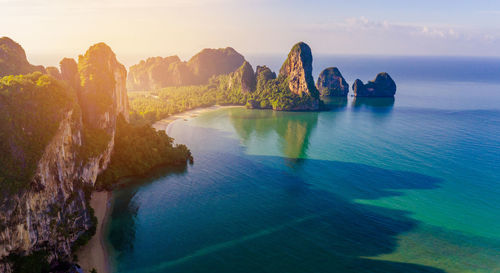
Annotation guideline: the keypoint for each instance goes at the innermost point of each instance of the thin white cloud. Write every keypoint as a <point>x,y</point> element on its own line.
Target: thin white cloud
<point>362,24</point>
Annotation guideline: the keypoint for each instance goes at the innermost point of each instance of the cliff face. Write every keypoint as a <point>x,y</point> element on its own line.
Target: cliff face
<point>49,211</point>
<point>13,59</point>
<point>158,72</point>
<point>243,78</point>
<point>298,70</point>
<point>331,83</point>
<point>296,73</point>
<point>69,73</point>
<point>102,94</point>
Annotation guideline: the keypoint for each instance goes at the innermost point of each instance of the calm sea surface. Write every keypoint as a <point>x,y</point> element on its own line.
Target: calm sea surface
<point>404,185</point>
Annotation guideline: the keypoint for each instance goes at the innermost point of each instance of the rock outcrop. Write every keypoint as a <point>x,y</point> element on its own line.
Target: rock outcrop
<point>292,90</point>
<point>69,72</point>
<point>382,86</point>
<point>243,79</point>
<point>102,94</point>
<point>54,72</point>
<point>331,83</point>
<point>297,69</point>
<point>264,73</point>
<point>158,72</point>
<point>48,211</point>
<point>13,59</point>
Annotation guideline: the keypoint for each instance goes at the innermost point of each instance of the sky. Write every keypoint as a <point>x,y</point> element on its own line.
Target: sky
<point>51,29</point>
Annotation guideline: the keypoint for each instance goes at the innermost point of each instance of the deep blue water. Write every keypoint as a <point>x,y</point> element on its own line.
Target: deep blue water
<point>404,185</point>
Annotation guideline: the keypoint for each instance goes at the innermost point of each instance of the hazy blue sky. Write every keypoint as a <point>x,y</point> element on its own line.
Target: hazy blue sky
<point>183,27</point>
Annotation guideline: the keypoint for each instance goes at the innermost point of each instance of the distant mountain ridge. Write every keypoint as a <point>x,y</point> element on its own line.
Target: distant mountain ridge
<point>158,72</point>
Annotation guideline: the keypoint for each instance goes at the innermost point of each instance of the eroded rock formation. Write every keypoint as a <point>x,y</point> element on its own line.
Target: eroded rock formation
<point>69,72</point>
<point>243,78</point>
<point>49,210</point>
<point>13,59</point>
<point>331,83</point>
<point>381,86</point>
<point>297,69</point>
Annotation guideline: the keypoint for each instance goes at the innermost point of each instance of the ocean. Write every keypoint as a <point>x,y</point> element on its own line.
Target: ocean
<point>371,185</point>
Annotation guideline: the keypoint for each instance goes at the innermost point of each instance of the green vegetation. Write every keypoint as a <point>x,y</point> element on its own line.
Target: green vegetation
<point>13,59</point>
<point>96,78</point>
<point>139,149</point>
<point>95,141</point>
<point>31,109</point>
<point>148,107</point>
<point>36,262</point>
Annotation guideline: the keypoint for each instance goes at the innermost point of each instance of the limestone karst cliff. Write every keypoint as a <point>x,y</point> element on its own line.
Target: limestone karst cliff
<point>382,86</point>
<point>297,68</point>
<point>292,90</point>
<point>296,74</point>
<point>54,152</point>
<point>243,79</point>
<point>331,83</point>
<point>13,59</point>
<point>69,72</point>
<point>158,72</point>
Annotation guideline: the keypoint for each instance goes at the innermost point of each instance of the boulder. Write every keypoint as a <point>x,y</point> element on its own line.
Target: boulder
<point>331,83</point>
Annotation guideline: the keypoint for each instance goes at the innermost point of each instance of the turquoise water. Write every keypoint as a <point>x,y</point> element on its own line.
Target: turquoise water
<point>404,185</point>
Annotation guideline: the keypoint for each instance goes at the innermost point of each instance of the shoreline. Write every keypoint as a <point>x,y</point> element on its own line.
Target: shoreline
<point>95,253</point>
<point>163,124</point>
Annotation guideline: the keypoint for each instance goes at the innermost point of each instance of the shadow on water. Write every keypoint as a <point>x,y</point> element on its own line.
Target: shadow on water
<point>125,210</point>
<point>256,214</point>
<point>334,103</point>
<point>377,105</point>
